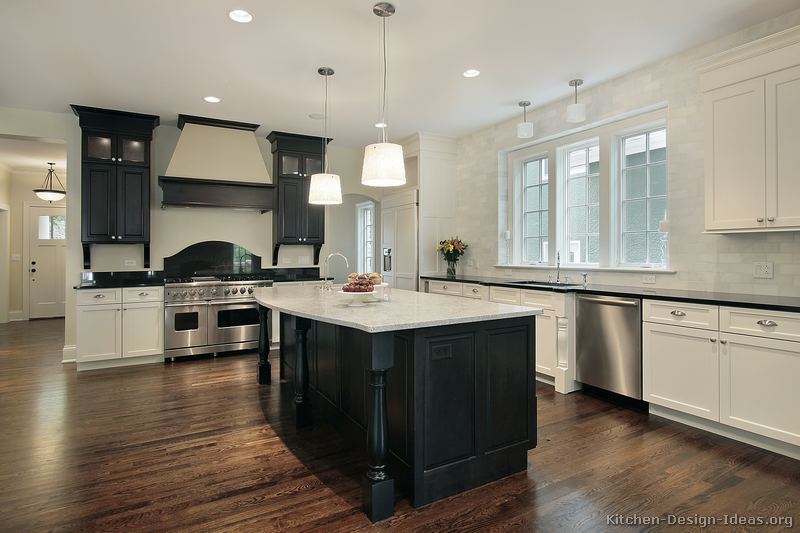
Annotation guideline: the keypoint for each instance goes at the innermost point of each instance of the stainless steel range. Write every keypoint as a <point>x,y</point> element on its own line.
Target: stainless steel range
<point>210,314</point>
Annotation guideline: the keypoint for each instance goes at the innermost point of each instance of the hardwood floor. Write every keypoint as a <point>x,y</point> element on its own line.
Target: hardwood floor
<point>199,446</point>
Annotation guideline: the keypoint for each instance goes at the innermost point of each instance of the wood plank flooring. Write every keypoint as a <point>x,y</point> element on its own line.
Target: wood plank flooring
<point>197,445</point>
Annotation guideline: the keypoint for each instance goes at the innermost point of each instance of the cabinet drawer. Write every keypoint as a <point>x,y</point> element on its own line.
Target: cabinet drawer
<point>505,295</point>
<point>769,324</point>
<point>99,296</point>
<point>545,299</point>
<point>142,294</point>
<point>473,290</point>
<point>681,314</point>
<point>444,287</point>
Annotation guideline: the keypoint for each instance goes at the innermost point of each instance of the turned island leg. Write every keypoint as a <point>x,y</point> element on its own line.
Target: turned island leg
<point>264,367</point>
<point>302,401</point>
<point>378,488</point>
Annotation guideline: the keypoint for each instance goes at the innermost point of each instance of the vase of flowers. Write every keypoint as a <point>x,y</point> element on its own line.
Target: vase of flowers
<point>451,249</point>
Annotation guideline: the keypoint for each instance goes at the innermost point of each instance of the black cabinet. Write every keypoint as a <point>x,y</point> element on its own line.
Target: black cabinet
<point>295,158</point>
<point>115,178</point>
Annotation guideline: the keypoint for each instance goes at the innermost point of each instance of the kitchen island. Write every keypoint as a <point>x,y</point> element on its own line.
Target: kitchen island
<point>442,390</point>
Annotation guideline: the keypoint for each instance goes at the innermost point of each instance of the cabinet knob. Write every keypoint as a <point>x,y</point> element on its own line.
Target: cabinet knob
<point>713,340</point>
<point>767,323</point>
<point>444,287</point>
<point>113,236</point>
<point>770,219</point>
<point>760,219</point>
<point>475,291</point>
<point>113,158</point>
<point>723,342</point>
<point>119,236</point>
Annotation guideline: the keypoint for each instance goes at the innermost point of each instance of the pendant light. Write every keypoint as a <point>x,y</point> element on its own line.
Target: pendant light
<point>524,128</point>
<point>576,112</point>
<point>383,161</point>
<point>325,188</point>
<point>47,192</point>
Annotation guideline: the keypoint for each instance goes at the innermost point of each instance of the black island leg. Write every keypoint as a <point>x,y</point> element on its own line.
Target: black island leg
<point>264,367</point>
<point>302,401</point>
<point>378,489</point>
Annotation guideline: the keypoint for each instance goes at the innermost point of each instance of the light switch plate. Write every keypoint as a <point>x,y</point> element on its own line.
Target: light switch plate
<point>16,257</point>
<point>762,270</point>
<point>130,262</point>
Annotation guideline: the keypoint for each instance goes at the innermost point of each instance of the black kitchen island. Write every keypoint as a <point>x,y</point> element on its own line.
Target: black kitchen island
<point>441,389</point>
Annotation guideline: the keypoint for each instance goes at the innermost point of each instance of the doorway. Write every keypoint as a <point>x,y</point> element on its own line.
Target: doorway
<point>46,237</point>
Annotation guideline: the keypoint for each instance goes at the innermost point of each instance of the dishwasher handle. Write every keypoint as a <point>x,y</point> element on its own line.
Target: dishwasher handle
<point>608,301</point>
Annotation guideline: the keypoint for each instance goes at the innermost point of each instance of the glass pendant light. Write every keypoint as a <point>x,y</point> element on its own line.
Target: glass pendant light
<point>383,161</point>
<point>47,192</point>
<point>325,188</point>
<point>576,112</point>
<point>524,128</point>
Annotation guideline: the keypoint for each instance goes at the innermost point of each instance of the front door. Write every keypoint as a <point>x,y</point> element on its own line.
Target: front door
<point>46,277</point>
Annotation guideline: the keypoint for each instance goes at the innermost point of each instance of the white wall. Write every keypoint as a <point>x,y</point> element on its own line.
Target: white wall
<point>342,235</point>
<point>5,237</point>
<point>702,262</point>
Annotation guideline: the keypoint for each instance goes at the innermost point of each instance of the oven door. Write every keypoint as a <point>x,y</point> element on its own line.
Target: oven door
<point>186,325</point>
<point>230,322</point>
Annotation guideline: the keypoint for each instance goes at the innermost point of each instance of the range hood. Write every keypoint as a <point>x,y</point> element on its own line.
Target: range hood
<point>217,163</point>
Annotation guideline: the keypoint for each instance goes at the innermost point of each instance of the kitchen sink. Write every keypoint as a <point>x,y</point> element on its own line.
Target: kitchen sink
<point>546,283</point>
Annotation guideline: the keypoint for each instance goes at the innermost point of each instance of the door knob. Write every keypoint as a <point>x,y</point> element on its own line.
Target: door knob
<point>33,270</point>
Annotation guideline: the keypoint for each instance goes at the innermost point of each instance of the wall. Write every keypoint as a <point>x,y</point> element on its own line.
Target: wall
<point>342,234</point>
<point>702,262</point>
<point>22,184</point>
<point>5,237</point>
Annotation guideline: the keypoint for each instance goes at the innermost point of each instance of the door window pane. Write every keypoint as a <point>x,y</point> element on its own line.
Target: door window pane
<point>52,227</point>
<point>535,210</point>
<point>644,198</point>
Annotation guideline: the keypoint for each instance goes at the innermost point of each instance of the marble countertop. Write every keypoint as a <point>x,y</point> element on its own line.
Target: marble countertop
<point>406,310</point>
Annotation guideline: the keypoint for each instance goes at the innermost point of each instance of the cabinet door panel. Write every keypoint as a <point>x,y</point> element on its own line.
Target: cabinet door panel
<point>99,332</point>
<point>290,195</point>
<point>680,369</point>
<point>735,157</point>
<point>547,343</point>
<point>133,203</point>
<point>758,386</point>
<point>98,202</point>
<point>783,148</point>
<point>142,329</point>
<point>313,219</point>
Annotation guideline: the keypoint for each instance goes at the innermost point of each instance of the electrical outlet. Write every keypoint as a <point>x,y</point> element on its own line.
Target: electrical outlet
<point>650,279</point>
<point>130,262</point>
<point>762,270</point>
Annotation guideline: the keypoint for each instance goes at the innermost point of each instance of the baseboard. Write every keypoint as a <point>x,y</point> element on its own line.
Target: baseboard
<point>544,378</point>
<point>773,445</point>
<point>16,316</point>
<point>113,363</point>
<point>69,353</point>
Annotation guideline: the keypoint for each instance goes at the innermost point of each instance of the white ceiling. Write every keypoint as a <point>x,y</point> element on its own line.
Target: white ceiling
<point>32,155</point>
<point>163,57</point>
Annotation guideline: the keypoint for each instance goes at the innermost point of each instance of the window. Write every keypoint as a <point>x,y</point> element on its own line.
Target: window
<point>365,222</point>
<point>534,210</point>
<point>52,227</point>
<point>643,194</point>
<point>582,225</point>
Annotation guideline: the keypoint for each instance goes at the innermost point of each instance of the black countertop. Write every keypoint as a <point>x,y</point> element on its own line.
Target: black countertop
<point>115,280</point>
<point>777,303</point>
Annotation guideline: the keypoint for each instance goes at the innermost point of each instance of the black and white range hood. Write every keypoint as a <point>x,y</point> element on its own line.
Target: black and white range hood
<point>217,163</point>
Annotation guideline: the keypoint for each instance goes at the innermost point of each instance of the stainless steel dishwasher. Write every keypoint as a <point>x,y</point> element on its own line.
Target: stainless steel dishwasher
<point>609,343</point>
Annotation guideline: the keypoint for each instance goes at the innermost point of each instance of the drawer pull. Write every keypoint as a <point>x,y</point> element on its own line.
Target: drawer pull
<point>767,323</point>
<point>144,294</point>
<point>713,340</point>
<point>475,291</point>
<point>677,312</point>
<point>723,342</point>
<point>444,287</point>
<point>99,295</point>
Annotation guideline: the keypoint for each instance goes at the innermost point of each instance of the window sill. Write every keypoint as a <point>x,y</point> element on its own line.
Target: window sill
<point>593,268</point>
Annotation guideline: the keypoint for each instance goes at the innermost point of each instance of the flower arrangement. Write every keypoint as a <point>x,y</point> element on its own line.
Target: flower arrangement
<point>452,249</point>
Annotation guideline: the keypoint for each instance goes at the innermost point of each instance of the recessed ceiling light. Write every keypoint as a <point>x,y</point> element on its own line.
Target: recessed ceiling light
<point>316,116</point>
<point>212,99</point>
<point>380,124</point>
<point>241,16</point>
<point>471,73</point>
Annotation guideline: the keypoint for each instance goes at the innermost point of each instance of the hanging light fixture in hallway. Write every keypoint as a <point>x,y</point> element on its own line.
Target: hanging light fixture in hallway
<point>325,188</point>
<point>47,191</point>
<point>383,161</point>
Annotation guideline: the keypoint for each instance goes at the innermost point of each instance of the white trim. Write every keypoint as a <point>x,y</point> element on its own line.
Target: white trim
<point>16,316</point>
<point>126,361</point>
<point>69,353</point>
<point>766,443</point>
<point>26,215</point>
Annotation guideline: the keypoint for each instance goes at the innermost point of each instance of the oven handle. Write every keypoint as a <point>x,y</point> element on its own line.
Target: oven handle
<point>228,302</point>
<point>186,304</point>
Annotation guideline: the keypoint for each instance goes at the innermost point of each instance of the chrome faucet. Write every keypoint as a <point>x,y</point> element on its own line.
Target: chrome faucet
<point>327,284</point>
<point>558,267</point>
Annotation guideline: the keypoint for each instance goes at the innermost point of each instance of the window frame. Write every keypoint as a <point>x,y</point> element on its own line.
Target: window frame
<point>520,208</point>
<point>362,244</point>
<point>562,218</point>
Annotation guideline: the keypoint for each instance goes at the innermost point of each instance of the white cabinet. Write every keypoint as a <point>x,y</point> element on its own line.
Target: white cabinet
<point>547,343</point>
<point>99,332</point>
<point>143,329</point>
<point>688,315</point>
<point>680,369</point>
<point>752,108</point>
<point>505,295</point>
<point>759,386</point>
<point>475,291</point>
<point>450,288</point>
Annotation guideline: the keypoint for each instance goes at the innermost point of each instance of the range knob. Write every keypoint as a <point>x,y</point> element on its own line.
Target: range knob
<point>200,292</point>
<point>184,294</point>
<point>214,290</point>
<point>241,290</point>
<point>227,291</point>
<point>192,292</point>
<point>249,290</point>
